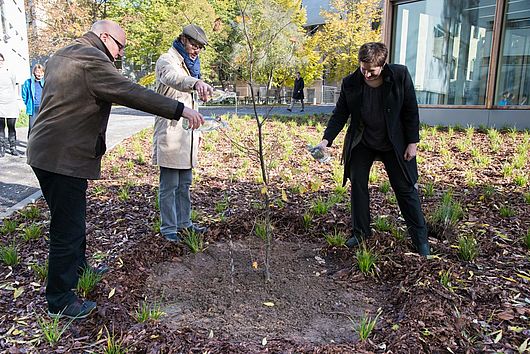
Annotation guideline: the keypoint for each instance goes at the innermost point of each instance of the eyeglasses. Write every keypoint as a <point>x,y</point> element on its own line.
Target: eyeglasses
<point>194,43</point>
<point>120,46</point>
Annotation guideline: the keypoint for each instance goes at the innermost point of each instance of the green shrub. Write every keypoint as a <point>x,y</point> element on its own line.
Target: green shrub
<point>31,232</point>
<point>467,248</point>
<point>383,223</point>
<point>336,238</point>
<point>9,226</point>
<point>365,260</point>
<point>87,281</point>
<point>9,254</point>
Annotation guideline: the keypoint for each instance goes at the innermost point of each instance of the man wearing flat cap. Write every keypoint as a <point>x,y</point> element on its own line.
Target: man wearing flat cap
<point>178,73</point>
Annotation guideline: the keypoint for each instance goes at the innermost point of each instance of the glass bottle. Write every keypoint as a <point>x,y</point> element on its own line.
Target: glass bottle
<point>210,123</point>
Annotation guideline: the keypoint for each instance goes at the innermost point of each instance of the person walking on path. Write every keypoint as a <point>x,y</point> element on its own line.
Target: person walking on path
<point>298,92</point>
<point>67,142</point>
<point>380,101</point>
<point>175,150</point>
<point>32,93</point>
<point>8,109</point>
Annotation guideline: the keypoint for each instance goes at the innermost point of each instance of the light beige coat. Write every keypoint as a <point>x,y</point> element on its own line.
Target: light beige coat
<point>174,147</point>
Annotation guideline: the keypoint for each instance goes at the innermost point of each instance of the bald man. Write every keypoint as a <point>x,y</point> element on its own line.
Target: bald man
<point>67,143</point>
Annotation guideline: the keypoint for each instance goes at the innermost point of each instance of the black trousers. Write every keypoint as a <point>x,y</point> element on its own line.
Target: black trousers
<point>407,197</point>
<point>11,123</point>
<point>66,198</point>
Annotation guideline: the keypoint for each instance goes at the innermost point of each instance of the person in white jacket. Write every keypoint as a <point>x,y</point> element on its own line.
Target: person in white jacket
<point>9,110</point>
<point>175,149</point>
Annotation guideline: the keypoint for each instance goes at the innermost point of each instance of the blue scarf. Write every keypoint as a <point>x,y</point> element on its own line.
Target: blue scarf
<point>194,66</point>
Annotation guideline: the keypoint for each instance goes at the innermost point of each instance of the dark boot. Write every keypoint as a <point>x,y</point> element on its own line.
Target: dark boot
<point>2,147</point>
<point>13,147</point>
<point>423,249</point>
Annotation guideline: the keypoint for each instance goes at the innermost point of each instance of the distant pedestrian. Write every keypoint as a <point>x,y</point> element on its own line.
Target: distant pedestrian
<point>32,93</point>
<point>175,149</point>
<point>8,109</point>
<point>298,92</point>
<point>67,143</point>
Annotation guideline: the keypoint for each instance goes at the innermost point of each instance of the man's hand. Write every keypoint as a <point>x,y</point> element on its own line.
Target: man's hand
<point>196,119</point>
<point>203,90</point>
<point>410,152</point>
<point>323,145</point>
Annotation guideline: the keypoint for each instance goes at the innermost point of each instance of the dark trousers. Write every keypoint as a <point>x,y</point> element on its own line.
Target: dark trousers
<point>66,198</point>
<point>11,123</point>
<point>407,197</point>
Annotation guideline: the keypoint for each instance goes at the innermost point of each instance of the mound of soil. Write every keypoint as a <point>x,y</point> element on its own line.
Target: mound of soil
<point>220,292</point>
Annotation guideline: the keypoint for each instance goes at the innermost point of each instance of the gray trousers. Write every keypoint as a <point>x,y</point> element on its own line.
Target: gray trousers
<point>174,200</point>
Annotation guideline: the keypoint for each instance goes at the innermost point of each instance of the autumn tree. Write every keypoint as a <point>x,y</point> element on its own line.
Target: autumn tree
<point>52,24</point>
<point>271,33</point>
<point>152,25</point>
<point>349,24</point>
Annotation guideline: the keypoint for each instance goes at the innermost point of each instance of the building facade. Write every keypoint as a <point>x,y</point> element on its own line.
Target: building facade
<point>14,38</point>
<point>469,59</point>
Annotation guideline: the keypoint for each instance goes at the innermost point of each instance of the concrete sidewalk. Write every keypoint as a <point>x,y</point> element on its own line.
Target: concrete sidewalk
<point>18,184</point>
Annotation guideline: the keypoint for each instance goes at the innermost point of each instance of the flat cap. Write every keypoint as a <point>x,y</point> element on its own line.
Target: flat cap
<point>196,33</point>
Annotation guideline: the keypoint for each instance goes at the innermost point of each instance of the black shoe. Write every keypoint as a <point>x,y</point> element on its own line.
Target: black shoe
<point>290,110</point>
<point>194,228</point>
<point>76,310</point>
<point>354,241</point>
<point>423,249</point>
<point>173,237</point>
<point>301,110</point>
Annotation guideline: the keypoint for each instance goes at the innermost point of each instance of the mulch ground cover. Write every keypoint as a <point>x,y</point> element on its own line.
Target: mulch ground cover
<point>216,301</point>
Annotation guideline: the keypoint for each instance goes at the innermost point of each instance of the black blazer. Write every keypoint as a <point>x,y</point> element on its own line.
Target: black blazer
<point>401,115</point>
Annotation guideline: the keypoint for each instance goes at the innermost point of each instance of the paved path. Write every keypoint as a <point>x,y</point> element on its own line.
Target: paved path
<point>19,186</point>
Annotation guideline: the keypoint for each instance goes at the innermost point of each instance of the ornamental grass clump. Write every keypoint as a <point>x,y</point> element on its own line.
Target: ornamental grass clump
<point>9,254</point>
<point>194,240</point>
<point>307,220</point>
<point>366,326</point>
<point>447,214</point>
<point>148,312</point>
<point>467,248</point>
<point>40,270</point>
<point>336,238</point>
<point>31,232</point>
<point>114,345</point>
<point>8,226</point>
<point>87,281</point>
<point>383,223</point>
<point>30,213</point>
<point>365,260</point>
<point>51,329</point>
<point>319,207</point>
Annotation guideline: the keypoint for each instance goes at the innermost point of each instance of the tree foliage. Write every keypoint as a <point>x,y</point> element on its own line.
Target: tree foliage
<point>349,24</point>
<point>152,25</point>
<point>55,23</point>
<point>272,36</point>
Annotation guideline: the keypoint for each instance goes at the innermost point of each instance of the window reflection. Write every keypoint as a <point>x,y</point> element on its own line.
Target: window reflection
<point>513,78</point>
<point>446,45</point>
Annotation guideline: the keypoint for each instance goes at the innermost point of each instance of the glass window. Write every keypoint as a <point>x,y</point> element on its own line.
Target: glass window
<point>513,78</point>
<point>446,45</point>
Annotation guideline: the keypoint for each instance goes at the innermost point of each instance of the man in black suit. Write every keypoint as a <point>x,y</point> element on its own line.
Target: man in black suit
<point>381,103</point>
